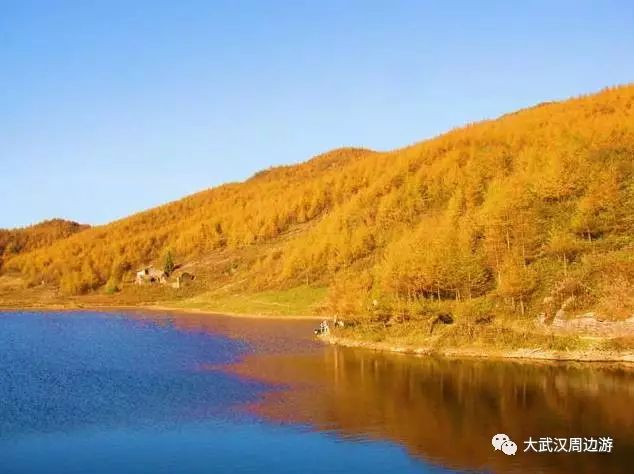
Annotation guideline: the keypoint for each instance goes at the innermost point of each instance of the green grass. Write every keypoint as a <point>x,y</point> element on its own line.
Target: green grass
<point>298,301</point>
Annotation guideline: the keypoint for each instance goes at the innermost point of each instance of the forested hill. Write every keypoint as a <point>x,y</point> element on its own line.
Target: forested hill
<point>534,204</point>
<point>26,239</point>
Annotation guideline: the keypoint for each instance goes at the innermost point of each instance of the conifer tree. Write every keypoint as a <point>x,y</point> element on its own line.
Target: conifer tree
<point>168,263</point>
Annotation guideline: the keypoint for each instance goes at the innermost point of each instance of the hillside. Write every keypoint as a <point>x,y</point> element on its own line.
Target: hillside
<point>517,217</point>
<point>27,239</point>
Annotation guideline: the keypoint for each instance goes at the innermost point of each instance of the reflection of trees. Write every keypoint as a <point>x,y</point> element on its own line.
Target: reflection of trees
<point>441,410</point>
<point>447,411</point>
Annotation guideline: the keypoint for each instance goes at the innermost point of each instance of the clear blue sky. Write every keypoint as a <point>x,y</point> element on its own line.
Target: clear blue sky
<point>111,107</point>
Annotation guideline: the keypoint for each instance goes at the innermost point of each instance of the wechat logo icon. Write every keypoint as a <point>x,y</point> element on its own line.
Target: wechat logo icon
<point>503,443</point>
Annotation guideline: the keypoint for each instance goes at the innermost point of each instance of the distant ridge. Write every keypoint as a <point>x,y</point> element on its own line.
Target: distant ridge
<point>28,238</point>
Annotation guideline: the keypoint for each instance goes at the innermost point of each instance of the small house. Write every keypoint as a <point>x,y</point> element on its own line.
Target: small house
<point>150,275</point>
<point>183,279</point>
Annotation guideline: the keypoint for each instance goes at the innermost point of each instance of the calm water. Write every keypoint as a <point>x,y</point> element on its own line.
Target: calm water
<point>96,392</point>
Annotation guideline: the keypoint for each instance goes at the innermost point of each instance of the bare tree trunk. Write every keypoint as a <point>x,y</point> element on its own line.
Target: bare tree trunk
<point>497,265</point>
<point>469,287</point>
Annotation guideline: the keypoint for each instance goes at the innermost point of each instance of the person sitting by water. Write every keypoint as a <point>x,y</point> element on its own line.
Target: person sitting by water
<point>323,328</point>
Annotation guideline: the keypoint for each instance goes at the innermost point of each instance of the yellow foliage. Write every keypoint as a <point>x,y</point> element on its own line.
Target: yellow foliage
<point>501,209</point>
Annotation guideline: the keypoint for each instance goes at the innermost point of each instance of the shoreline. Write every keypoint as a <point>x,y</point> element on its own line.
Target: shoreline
<point>531,355</point>
<point>211,312</point>
<point>157,308</point>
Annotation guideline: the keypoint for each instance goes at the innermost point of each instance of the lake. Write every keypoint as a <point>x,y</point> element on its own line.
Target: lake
<point>134,392</point>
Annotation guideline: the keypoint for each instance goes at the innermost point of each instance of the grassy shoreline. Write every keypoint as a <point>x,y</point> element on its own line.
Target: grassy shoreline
<point>156,308</point>
<point>536,354</point>
<point>296,303</point>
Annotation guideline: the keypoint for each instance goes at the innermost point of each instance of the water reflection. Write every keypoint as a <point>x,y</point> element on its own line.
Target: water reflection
<point>447,411</point>
<point>85,392</point>
<point>443,411</point>
<point>263,335</point>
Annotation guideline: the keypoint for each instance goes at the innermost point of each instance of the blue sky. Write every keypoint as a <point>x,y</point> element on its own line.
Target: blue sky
<point>111,107</point>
